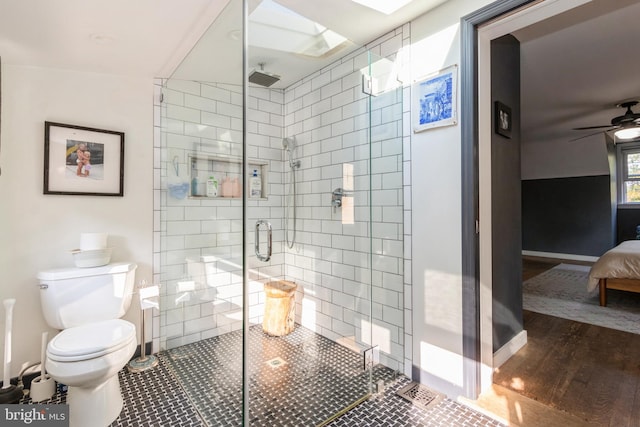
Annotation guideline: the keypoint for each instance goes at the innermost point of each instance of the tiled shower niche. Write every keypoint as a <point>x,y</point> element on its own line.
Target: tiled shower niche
<point>227,173</point>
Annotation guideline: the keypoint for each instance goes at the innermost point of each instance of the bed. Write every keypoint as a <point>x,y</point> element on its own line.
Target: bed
<point>618,268</point>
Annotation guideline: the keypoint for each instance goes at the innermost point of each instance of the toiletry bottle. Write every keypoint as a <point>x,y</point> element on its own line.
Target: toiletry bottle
<point>224,187</point>
<point>236,185</point>
<point>194,186</point>
<point>255,185</point>
<point>212,187</point>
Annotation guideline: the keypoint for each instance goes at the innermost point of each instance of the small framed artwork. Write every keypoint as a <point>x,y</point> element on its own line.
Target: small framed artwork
<point>83,161</point>
<point>435,97</point>
<point>503,119</point>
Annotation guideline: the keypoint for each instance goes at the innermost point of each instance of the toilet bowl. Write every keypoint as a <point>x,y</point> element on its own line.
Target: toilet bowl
<point>94,343</point>
<point>87,359</point>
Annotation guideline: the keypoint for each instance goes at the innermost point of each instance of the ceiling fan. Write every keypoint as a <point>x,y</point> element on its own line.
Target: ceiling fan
<point>626,126</point>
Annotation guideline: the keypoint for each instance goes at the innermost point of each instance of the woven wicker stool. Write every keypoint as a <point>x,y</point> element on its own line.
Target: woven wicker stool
<point>280,307</point>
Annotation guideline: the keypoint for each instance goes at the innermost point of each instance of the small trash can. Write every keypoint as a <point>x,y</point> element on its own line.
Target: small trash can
<point>280,307</point>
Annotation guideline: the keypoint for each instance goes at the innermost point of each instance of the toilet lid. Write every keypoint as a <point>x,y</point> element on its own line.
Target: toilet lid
<point>91,340</point>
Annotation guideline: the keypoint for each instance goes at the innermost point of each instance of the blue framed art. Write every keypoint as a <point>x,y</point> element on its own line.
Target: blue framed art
<point>435,100</point>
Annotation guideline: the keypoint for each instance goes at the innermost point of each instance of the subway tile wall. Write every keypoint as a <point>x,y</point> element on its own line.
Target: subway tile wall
<point>350,287</point>
<point>349,261</point>
<point>198,259</point>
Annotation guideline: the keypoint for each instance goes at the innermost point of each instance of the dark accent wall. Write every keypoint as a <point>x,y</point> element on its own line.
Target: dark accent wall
<point>628,220</point>
<point>567,215</point>
<point>506,195</point>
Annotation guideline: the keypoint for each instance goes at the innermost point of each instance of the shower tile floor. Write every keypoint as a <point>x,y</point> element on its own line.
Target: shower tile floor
<point>301,379</point>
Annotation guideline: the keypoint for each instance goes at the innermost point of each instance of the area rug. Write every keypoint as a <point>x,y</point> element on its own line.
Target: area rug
<point>562,292</point>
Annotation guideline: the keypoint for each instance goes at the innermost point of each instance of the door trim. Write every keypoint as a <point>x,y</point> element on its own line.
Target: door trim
<point>471,308</point>
<point>496,19</point>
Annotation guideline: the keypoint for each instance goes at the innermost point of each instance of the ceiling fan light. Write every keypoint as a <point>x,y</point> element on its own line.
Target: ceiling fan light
<point>628,133</point>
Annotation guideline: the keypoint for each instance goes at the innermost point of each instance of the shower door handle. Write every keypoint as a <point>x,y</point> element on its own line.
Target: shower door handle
<point>261,257</point>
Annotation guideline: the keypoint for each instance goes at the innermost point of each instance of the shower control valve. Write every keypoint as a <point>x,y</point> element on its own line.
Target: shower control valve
<point>336,198</point>
<point>337,195</point>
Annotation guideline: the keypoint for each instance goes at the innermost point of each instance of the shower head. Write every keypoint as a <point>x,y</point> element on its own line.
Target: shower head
<point>289,144</point>
<point>263,78</point>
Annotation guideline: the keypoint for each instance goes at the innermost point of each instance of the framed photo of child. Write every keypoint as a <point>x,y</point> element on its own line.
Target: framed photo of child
<point>83,161</point>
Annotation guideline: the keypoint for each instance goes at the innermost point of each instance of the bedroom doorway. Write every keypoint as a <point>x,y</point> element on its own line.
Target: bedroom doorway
<point>478,31</point>
<point>534,13</point>
<point>478,255</point>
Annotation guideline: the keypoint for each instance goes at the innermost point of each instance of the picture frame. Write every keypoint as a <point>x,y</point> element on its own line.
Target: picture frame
<point>435,100</point>
<point>84,161</point>
<point>503,119</point>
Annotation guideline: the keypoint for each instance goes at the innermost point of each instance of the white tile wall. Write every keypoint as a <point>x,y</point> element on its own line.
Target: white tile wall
<point>340,283</point>
<point>200,239</point>
<point>333,132</point>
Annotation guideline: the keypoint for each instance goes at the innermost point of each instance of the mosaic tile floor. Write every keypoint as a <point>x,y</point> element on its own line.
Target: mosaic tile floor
<point>313,378</point>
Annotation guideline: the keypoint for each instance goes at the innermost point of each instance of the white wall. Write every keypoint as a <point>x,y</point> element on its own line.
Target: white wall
<point>561,159</point>
<point>436,226</point>
<point>547,155</point>
<point>37,231</point>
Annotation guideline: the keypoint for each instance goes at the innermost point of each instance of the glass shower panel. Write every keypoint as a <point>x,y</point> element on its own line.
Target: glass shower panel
<point>200,208</point>
<point>326,308</point>
<point>386,326</point>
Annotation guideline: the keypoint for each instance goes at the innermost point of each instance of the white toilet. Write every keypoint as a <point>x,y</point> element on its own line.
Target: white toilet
<point>94,344</point>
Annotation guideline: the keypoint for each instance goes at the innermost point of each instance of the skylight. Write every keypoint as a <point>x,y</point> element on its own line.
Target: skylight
<point>385,6</point>
<point>273,26</point>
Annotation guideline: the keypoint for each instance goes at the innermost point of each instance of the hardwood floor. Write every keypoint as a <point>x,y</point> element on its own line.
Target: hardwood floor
<point>586,371</point>
<point>533,266</point>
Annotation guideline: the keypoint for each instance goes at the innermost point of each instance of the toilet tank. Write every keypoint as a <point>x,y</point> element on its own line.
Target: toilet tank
<point>76,296</point>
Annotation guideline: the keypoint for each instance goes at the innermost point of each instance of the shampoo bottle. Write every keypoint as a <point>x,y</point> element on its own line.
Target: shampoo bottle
<point>255,185</point>
<point>225,187</point>
<point>236,185</point>
<point>194,186</point>
<point>212,187</point>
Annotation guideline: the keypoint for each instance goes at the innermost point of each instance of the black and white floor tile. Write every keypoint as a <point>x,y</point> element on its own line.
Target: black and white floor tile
<point>389,410</point>
<point>151,399</point>
<point>302,379</point>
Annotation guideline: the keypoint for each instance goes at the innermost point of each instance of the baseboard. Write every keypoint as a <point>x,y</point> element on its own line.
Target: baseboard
<point>554,255</point>
<point>505,352</point>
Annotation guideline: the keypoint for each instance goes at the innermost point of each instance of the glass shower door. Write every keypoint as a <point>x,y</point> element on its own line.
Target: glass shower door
<point>199,209</point>
<point>323,308</point>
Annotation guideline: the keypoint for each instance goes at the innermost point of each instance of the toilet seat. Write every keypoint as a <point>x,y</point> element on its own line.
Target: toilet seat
<point>91,340</point>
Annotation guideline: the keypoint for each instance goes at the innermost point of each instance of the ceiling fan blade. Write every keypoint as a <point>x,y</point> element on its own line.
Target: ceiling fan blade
<point>591,134</point>
<point>592,127</point>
